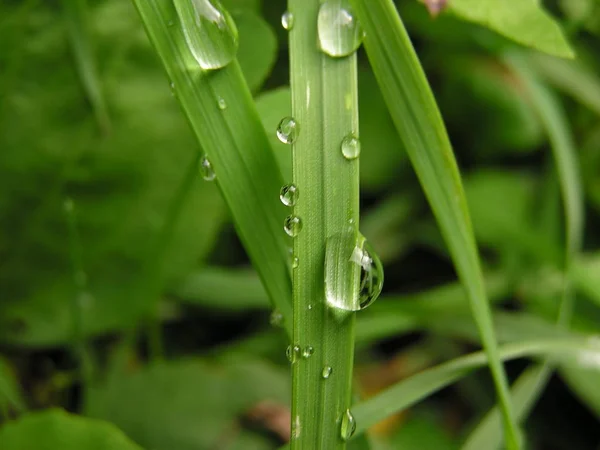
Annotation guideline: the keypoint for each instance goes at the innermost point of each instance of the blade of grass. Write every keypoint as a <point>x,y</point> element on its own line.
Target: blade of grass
<point>236,144</point>
<point>419,123</point>
<point>532,382</point>
<point>419,386</point>
<point>325,107</point>
<point>80,39</point>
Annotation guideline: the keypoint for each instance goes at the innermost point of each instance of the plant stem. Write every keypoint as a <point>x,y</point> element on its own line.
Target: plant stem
<point>325,107</point>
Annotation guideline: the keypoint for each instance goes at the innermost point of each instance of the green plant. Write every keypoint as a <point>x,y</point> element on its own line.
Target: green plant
<point>119,253</point>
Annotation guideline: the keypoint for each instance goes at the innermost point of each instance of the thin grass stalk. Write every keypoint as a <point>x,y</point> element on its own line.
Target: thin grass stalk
<point>325,108</point>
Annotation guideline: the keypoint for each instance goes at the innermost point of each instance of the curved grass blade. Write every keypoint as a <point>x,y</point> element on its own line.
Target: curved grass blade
<point>85,62</point>
<point>419,124</point>
<point>219,107</point>
<point>530,384</point>
<point>325,108</point>
<point>417,387</point>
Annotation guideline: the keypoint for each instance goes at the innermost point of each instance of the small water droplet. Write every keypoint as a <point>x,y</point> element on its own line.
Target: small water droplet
<point>348,426</point>
<point>170,23</point>
<point>310,307</point>
<point>287,130</point>
<point>353,272</point>
<point>293,353</point>
<point>287,20</point>
<point>276,318</point>
<point>326,372</point>
<point>296,428</point>
<point>292,225</point>
<point>340,33</point>
<point>206,169</point>
<point>307,352</point>
<point>209,31</point>
<point>289,195</point>
<point>295,262</point>
<point>222,103</point>
<point>350,147</point>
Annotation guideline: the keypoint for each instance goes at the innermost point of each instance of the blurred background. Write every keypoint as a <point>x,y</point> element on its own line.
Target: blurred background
<point>125,294</point>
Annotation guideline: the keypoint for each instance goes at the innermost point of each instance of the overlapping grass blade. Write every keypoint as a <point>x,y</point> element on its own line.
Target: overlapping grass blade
<point>411,390</point>
<point>80,38</point>
<point>531,384</point>
<point>236,144</point>
<point>419,124</point>
<point>325,108</point>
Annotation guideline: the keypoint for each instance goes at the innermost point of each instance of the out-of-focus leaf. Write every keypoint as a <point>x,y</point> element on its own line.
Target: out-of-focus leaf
<point>524,21</point>
<point>584,383</point>
<point>122,185</point>
<point>258,47</point>
<point>236,5</point>
<point>55,429</point>
<point>192,404</point>
<point>223,289</point>
<point>10,393</point>
<point>424,431</point>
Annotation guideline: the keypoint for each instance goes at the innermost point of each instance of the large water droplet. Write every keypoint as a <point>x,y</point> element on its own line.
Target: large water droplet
<point>307,352</point>
<point>348,426</point>
<point>292,225</point>
<point>293,353</point>
<point>326,373</point>
<point>209,31</point>
<point>353,272</point>
<point>340,33</point>
<point>350,147</point>
<point>206,169</point>
<point>287,131</point>
<point>276,318</point>
<point>289,195</point>
<point>287,20</point>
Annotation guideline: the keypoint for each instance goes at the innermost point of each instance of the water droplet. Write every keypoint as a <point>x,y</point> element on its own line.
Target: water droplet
<point>287,20</point>
<point>206,169</point>
<point>340,33</point>
<point>296,428</point>
<point>293,353</point>
<point>209,31</point>
<point>326,372</point>
<point>289,195</point>
<point>348,425</point>
<point>292,225</point>
<point>287,130</point>
<point>170,23</point>
<point>307,352</point>
<point>295,262</point>
<point>353,272</point>
<point>350,147</point>
<point>276,318</point>
<point>222,103</point>
<point>310,307</point>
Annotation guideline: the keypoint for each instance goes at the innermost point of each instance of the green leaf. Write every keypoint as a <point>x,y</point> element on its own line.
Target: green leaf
<point>419,124</point>
<point>523,21</point>
<point>584,383</point>
<point>55,429</point>
<point>192,404</point>
<point>10,393</point>
<point>258,48</point>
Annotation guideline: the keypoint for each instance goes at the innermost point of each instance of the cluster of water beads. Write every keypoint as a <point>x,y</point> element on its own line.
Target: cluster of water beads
<point>353,272</point>
<point>292,225</point>
<point>339,31</point>
<point>287,130</point>
<point>295,352</point>
<point>289,195</point>
<point>209,31</point>
<point>206,169</point>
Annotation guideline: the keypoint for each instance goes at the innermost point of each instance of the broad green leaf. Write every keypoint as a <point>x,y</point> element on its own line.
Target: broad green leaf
<point>192,404</point>
<point>56,429</point>
<point>123,185</point>
<point>420,126</point>
<point>258,47</point>
<point>523,21</point>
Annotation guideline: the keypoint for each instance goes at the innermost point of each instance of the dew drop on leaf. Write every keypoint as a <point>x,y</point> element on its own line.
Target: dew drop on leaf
<point>340,34</point>
<point>350,147</point>
<point>210,32</point>
<point>289,194</point>
<point>287,131</point>
<point>326,373</point>
<point>287,20</point>
<point>292,225</point>
<point>206,169</point>
<point>348,425</point>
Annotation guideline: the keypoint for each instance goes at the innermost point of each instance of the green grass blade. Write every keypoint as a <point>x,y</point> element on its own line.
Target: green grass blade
<point>532,382</point>
<point>325,107</point>
<point>80,38</point>
<point>417,387</point>
<point>418,121</point>
<point>236,144</point>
